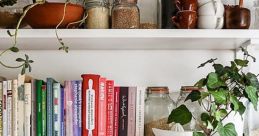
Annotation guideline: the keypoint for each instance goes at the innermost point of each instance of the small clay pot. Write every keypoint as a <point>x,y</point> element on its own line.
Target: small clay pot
<point>48,15</point>
<point>237,17</point>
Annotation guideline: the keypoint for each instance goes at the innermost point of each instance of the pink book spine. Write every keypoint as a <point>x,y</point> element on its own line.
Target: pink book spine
<point>116,110</point>
<point>110,107</point>
<point>132,110</point>
<point>68,106</point>
<point>102,107</point>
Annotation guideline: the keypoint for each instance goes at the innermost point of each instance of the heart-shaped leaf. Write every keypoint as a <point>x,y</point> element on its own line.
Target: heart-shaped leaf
<point>180,115</point>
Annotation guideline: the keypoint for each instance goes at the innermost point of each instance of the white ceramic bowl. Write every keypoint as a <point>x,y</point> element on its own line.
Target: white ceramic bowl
<point>210,22</point>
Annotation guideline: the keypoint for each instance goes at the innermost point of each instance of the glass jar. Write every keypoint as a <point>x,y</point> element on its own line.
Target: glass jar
<point>256,13</point>
<point>251,123</point>
<point>98,15</point>
<point>150,14</point>
<point>193,107</point>
<point>125,14</point>
<point>158,106</point>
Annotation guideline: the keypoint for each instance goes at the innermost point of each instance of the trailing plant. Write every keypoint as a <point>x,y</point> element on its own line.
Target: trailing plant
<point>226,87</point>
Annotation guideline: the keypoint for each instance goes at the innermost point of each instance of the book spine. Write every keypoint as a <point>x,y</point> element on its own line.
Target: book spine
<point>75,109</point>
<point>33,109</point>
<point>110,107</point>
<point>1,108</point>
<point>9,108</point>
<point>27,106</point>
<point>102,107</point>
<point>4,108</point>
<point>79,106</point>
<point>132,110</point>
<point>49,107</point>
<point>20,106</point>
<point>123,111</point>
<point>44,110</point>
<point>39,106</point>
<point>68,109</point>
<point>140,103</point>
<point>116,110</point>
<point>56,104</point>
<point>90,93</point>
<point>62,123</point>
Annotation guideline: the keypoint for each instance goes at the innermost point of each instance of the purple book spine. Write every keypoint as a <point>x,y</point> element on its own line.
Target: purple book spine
<point>79,107</point>
<point>74,106</point>
<point>62,113</point>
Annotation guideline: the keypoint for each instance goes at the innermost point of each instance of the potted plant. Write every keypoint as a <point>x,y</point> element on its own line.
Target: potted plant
<point>226,86</point>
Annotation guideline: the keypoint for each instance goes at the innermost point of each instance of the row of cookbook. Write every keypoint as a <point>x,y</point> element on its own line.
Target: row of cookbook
<point>93,106</point>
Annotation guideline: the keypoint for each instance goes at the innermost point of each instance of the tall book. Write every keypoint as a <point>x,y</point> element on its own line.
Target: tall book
<point>123,111</point>
<point>132,92</point>
<point>62,121</point>
<point>90,93</point>
<point>27,109</point>
<point>15,109</point>
<point>140,105</point>
<point>75,108</point>
<point>44,109</point>
<point>110,107</point>
<point>79,106</point>
<point>9,107</point>
<point>57,108</point>
<point>68,107</point>
<point>1,108</point>
<point>33,108</point>
<point>116,110</point>
<point>4,108</point>
<point>102,107</point>
<point>39,84</point>
<point>50,121</point>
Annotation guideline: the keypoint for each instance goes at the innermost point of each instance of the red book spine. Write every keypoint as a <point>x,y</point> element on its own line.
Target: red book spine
<point>110,107</point>
<point>116,110</point>
<point>90,94</point>
<point>102,107</point>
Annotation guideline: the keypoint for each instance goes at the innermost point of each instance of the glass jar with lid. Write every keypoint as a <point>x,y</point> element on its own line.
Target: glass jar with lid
<point>256,13</point>
<point>193,107</point>
<point>97,14</point>
<point>158,106</point>
<point>125,14</point>
<point>150,14</point>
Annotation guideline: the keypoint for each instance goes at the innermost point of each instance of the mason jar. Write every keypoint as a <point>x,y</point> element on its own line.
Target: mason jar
<point>158,106</point>
<point>125,14</point>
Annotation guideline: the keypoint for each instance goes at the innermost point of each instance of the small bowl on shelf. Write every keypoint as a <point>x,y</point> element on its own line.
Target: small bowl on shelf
<point>49,15</point>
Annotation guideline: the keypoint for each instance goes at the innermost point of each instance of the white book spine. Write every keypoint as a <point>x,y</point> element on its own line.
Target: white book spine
<point>9,108</point>
<point>20,106</point>
<point>15,111</point>
<point>69,111</point>
<point>27,109</point>
<point>1,108</point>
<point>140,103</point>
<point>4,108</point>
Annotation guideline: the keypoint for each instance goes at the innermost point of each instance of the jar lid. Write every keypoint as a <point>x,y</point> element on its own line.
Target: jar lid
<point>158,89</point>
<point>91,1</point>
<point>125,1</point>
<point>95,3</point>
<point>191,88</point>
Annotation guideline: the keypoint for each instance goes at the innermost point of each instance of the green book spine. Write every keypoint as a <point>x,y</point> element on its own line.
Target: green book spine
<point>44,111</point>
<point>39,106</point>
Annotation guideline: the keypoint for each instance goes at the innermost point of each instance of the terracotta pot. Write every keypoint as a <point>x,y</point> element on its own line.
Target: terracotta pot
<point>237,17</point>
<point>48,15</point>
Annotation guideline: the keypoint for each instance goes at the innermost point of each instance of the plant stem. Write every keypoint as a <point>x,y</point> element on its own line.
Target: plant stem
<point>80,21</point>
<point>10,66</point>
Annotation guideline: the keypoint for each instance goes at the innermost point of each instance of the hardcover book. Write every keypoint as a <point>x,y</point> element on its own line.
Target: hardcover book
<point>110,107</point>
<point>140,105</point>
<point>116,110</point>
<point>9,107</point>
<point>102,107</point>
<point>4,108</point>
<point>123,111</point>
<point>57,108</point>
<point>75,108</point>
<point>68,108</point>
<point>90,93</point>
<point>62,121</point>
<point>33,108</point>
<point>39,84</point>
<point>79,106</point>
<point>27,109</point>
<point>132,110</point>
<point>44,109</point>
<point>15,109</point>
<point>1,108</point>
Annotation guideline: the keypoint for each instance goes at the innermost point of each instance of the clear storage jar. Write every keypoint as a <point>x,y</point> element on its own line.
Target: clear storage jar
<point>158,106</point>
<point>150,14</point>
<point>256,13</point>
<point>125,14</point>
<point>97,15</point>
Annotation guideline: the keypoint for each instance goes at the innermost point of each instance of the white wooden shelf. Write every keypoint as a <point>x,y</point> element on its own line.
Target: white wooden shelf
<point>115,39</point>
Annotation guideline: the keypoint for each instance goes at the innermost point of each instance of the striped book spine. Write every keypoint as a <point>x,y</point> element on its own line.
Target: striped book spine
<point>79,106</point>
<point>1,108</point>
<point>116,110</point>
<point>140,105</point>
<point>110,107</point>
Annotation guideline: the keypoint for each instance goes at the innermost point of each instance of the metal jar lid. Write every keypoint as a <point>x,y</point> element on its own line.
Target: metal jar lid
<point>158,89</point>
<point>101,1</point>
<point>89,5</point>
<point>125,1</point>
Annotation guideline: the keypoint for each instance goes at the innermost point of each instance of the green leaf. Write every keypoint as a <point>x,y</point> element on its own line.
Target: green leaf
<point>198,134</point>
<point>180,115</point>
<point>237,92</point>
<point>205,117</point>
<point>23,70</point>
<point>193,96</point>
<point>220,114</point>
<point>213,81</point>
<point>227,130</point>
<point>31,61</point>
<point>20,60</point>
<point>220,96</point>
<point>201,83</point>
<point>242,63</point>
<point>252,95</point>
<point>9,33</point>
<point>14,49</point>
<point>219,69</point>
<point>253,81</point>
<point>235,102</point>
<point>242,108</point>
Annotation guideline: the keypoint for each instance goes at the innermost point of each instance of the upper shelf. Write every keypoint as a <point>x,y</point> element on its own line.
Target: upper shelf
<point>120,39</point>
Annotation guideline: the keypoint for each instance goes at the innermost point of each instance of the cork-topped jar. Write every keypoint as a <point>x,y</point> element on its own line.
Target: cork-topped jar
<point>125,14</point>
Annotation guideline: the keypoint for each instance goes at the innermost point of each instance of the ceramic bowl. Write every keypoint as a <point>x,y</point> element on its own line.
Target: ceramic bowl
<point>48,15</point>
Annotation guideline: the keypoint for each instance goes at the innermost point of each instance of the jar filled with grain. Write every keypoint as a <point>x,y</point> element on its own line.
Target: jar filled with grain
<point>97,15</point>
<point>150,14</point>
<point>125,14</point>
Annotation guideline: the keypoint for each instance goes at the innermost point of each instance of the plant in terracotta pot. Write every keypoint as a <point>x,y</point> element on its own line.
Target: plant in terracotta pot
<point>227,87</point>
<point>237,17</point>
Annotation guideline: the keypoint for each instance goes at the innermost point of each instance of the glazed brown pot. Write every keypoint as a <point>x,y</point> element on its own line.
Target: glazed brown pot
<point>185,19</point>
<point>237,17</point>
<point>48,15</point>
<point>191,5</point>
